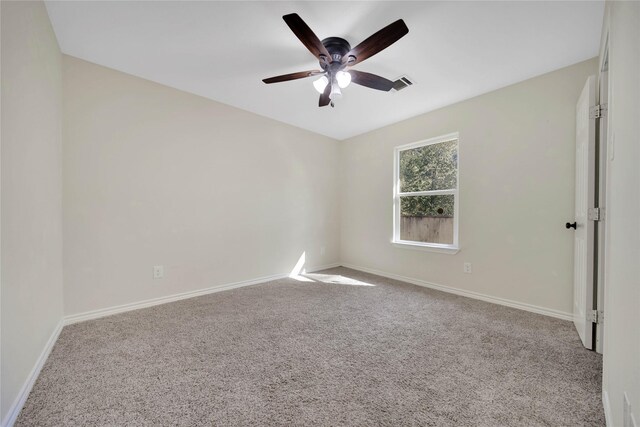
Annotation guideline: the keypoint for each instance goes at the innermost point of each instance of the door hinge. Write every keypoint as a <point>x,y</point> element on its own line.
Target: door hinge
<point>598,111</point>
<point>595,316</point>
<point>595,214</point>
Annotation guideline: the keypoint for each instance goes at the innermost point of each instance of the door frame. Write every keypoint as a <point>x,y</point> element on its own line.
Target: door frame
<point>602,152</point>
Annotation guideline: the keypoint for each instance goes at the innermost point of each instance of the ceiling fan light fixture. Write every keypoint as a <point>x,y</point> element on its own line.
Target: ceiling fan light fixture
<point>336,93</point>
<point>321,84</point>
<point>343,78</point>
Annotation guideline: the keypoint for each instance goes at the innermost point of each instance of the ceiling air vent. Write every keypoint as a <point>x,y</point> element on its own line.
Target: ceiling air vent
<point>401,83</point>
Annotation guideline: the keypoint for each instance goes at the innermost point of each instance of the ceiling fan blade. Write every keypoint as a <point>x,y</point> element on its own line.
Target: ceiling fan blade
<point>370,80</point>
<point>292,76</point>
<point>377,42</point>
<point>306,36</point>
<point>324,97</point>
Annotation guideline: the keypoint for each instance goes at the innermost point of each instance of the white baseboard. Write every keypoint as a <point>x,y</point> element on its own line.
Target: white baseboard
<point>20,400</point>
<point>324,267</point>
<point>470,294</point>
<point>109,311</point>
<point>608,417</point>
<point>103,312</point>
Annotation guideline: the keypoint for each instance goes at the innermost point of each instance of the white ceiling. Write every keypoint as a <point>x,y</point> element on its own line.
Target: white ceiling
<point>222,51</point>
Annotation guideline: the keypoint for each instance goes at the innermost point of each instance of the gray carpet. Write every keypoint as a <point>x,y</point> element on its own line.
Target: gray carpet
<point>319,353</point>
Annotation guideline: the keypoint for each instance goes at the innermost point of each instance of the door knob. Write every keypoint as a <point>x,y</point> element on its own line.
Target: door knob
<point>569,225</point>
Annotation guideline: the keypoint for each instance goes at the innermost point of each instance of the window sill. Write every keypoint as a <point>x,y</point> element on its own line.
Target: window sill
<point>443,249</point>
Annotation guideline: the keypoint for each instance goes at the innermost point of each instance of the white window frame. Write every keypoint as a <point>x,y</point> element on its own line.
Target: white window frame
<point>408,244</point>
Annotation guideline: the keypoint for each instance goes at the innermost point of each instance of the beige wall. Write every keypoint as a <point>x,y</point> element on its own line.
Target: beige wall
<point>156,176</point>
<point>516,192</point>
<point>31,192</point>
<point>622,219</point>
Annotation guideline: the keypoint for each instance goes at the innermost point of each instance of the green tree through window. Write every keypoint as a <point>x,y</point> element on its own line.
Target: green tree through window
<point>428,168</point>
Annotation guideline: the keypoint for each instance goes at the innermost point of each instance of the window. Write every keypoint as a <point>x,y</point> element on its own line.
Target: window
<point>426,194</point>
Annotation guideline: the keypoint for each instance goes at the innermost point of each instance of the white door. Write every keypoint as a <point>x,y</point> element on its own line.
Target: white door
<point>583,275</point>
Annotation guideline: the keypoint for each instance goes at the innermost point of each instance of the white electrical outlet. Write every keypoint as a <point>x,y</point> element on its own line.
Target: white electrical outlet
<point>467,267</point>
<point>158,271</point>
<point>322,250</point>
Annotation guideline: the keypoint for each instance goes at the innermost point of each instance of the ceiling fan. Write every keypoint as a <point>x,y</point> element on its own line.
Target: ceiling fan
<point>337,57</point>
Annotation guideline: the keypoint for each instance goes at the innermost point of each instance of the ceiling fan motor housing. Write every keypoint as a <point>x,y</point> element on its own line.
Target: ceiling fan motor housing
<point>337,48</point>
